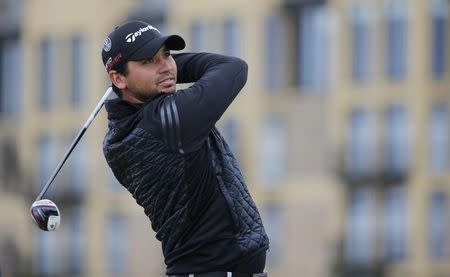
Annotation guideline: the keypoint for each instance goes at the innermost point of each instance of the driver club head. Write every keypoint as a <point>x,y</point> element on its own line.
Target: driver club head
<point>46,215</point>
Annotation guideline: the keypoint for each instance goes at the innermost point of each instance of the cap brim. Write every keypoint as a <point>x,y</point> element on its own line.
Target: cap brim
<point>150,48</point>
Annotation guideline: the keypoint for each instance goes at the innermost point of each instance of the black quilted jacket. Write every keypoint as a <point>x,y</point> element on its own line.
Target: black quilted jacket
<point>156,182</point>
<point>156,175</point>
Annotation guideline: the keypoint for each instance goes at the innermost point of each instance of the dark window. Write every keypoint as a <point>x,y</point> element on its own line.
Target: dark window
<point>314,48</point>
<point>273,225</point>
<point>361,43</point>
<point>78,71</point>
<point>198,37</point>
<point>360,246</point>
<point>361,140</point>
<point>397,46</point>
<point>439,228</point>
<point>275,68</point>
<point>11,54</point>
<point>116,250</point>
<point>395,224</point>
<point>231,37</point>
<point>439,140</point>
<point>230,130</point>
<point>439,23</point>
<point>47,93</point>
<point>397,140</point>
<point>77,244</point>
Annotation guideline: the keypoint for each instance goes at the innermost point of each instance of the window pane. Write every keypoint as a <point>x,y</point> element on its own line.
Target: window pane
<point>272,224</point>
<point>395,224</point>
<point>439,226</point>
<point>116,250</point>
<point>397,140</point>
<point>46,162</point>
<point>79,167</point>
<point>361,142</point>
<point>231,37</point>
<point>49,254</point>
<point>47,97</point>
<point>113,185</point>
<point>78,71</point>
<point>273,142</point>
<point>10,166</point>
<point>77,245</point>
<point>439,21</point>
<point>439,145</point>
<point>397,39</point>
<point>361,43</point>
<point>360,230</point>
<point>314,41</point>
<point>11,77</point>
<point>275,67</point>
<point>198,38</point>
<point>231,134</point>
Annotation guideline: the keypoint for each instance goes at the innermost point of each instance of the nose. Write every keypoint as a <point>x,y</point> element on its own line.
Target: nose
<point>164,65</point>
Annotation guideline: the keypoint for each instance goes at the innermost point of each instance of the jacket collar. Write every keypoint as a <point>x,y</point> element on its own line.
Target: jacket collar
<point>118,108</point>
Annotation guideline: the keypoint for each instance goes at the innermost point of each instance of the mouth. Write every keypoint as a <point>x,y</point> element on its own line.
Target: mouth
<point>167,82</point>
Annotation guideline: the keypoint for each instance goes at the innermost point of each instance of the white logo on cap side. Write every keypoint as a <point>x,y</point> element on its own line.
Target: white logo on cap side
<point>107,44</point>
<point>131,37</point>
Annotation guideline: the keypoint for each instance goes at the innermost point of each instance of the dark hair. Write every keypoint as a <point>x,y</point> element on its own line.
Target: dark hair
<point>124,71</point>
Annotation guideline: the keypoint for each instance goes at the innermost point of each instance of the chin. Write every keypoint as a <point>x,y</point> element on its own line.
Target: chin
<point>171,90</point>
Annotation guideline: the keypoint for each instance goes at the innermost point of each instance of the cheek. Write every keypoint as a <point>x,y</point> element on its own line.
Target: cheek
<point>174,68</point>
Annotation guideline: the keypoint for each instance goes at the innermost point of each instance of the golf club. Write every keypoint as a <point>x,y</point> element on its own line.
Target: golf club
<point>44,212</point>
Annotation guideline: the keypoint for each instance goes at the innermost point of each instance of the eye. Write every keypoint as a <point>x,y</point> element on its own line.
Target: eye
<point>167,54</point>
<point>148,61</point>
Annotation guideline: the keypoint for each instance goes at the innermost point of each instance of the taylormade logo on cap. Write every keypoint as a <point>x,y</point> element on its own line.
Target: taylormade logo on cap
<point>132,36</point>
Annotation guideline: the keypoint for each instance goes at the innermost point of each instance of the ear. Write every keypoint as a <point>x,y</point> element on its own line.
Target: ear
<point>118,79</point>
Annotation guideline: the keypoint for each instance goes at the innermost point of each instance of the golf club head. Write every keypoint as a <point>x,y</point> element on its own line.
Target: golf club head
<point>46,215</point>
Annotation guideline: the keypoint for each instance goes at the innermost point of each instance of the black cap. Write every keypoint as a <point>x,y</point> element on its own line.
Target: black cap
<point>133,41</point>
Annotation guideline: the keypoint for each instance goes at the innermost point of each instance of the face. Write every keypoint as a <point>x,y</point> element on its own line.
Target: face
<point>148,77</point>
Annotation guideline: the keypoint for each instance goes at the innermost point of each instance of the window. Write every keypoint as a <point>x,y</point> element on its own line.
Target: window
<point>395,224</point>
<point>361,42</point>
<point>361,142</point>
<point>272,224</point>
<point>116,250</point>
<point>314,41</point>
<point>198,37</point>
<point>113,184</point>
<point>78,71</point>
<point>231,135</point>
<point>231,37</point>
<point>360,230</point>
<point>397,32</point>
<point>439,10</point>
<point>46,160</point>
<point>79,167</point>
<point>49,255</point>
<point>273,143</point>
<point>10,77</point>
<point>10,168</point>
<point>439,143</point>
<point>275,66</point>
<point>439,226</point>
<point>47,85</point>
<point>397,140</point>
<point>77,244</point>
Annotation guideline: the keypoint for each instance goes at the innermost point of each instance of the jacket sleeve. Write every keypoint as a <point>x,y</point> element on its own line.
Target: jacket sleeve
<point>187,116</point>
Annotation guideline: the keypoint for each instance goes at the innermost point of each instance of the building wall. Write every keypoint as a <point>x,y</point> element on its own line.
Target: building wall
<point>311,130</point>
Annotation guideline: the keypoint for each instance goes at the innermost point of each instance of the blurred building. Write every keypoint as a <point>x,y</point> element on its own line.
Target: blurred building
<point>342,132</point>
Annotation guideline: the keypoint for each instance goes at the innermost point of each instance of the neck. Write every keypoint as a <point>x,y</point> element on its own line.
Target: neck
<point>131,98</point>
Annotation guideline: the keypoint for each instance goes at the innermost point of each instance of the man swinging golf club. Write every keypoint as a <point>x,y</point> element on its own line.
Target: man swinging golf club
<point>163,147</point>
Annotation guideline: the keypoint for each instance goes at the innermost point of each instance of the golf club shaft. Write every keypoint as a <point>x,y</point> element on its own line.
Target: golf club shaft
<point>75,142</point>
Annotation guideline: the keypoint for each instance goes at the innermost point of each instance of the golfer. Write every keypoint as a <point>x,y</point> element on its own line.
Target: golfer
<point>163,147</point>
